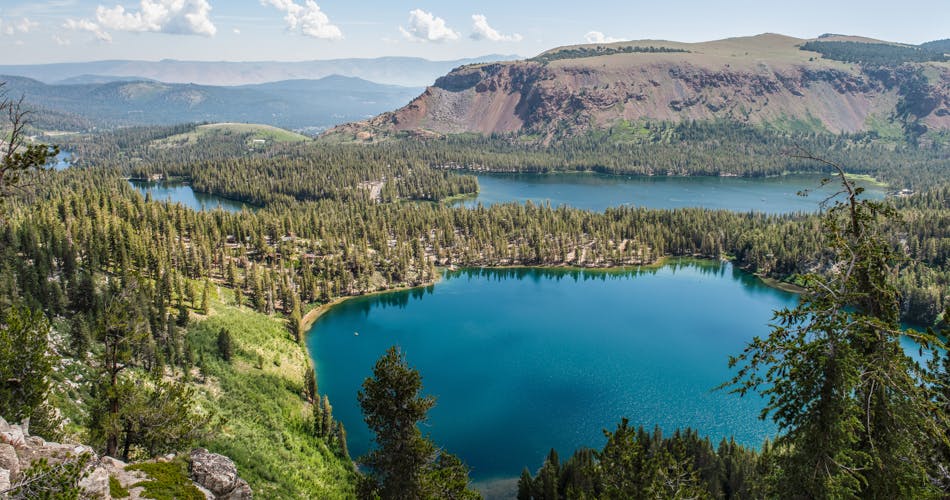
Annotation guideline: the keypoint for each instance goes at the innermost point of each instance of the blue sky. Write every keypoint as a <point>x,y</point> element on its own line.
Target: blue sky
<point>40,31</point>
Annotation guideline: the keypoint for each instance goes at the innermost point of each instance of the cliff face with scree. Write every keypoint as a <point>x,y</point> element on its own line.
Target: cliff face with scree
<point>765,79</point>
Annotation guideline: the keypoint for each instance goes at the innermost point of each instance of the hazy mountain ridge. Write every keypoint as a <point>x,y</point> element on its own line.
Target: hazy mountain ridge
<point>765,79</point>
<point>294,104</point>
<point>403,71</point>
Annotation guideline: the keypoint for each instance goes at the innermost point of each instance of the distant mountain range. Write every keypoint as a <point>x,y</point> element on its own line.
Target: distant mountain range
<point>293,104</point>
<point>833,84</point>
<point>403,71</point>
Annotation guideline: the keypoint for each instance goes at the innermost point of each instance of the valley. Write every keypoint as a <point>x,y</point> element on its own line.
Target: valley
<point>622,269</point>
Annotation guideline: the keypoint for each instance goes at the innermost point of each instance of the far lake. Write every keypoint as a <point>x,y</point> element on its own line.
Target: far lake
<point>177,192</point>
<point>63,160</point>
<point>524,360</point>
<point>598,191</point>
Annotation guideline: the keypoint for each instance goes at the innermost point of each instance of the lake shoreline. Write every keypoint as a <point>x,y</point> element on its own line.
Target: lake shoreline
<point>491,171</point>
<point>585,317</point>
<point>308,319</point>
<point>778,194</point>
<point>145,185</point>
<point>311,316</point>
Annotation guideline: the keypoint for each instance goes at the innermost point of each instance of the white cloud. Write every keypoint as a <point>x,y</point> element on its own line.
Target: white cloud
<point>308,18</point>
<point>598,37</point>
<point>482,31</point>
<point>425,27</point>
<point>61,41</point>
<point>177,17</point>
<point>236,31</point>
<point>11,28</point>
<point>87,25</point>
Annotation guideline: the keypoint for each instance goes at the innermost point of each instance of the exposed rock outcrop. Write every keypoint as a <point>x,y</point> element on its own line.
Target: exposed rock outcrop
<point>756,80</point>
<point>218,474</point>
<point>215,475</point>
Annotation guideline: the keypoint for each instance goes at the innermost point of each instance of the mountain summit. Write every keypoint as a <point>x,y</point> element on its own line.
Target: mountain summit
<point>831,84</point>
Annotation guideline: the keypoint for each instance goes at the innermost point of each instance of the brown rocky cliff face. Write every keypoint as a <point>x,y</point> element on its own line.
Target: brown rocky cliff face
<point>569,96</point>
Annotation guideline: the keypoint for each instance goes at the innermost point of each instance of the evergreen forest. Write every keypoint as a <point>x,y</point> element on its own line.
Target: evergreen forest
<point>143,327</point>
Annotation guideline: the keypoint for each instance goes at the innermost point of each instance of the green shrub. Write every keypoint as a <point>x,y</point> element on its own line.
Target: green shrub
<point>169,481</point>
<point>115,488</point>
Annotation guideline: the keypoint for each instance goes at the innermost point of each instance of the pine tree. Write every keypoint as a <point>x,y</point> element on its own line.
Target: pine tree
<point>206,298</point>
<point>122,330</point>
<point>79,336</point>
<point>310,383</point>
<point>549,475</point>
<point>18,154</point>
<point>340,439</point>
<point>525,485</point>
<point>393,407</point>
<point>183,317</point>
<point>25,364</point>
<point>225,349</point>
<point>238,296</point>
<point>855,418</point>
<point>294,324</point>
<point>326,418</point>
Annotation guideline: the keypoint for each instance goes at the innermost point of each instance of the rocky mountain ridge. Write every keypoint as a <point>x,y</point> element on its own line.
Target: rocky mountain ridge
<point>761,80</point>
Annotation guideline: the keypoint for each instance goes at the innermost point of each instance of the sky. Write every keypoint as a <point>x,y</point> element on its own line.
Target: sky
<point>45,31</point>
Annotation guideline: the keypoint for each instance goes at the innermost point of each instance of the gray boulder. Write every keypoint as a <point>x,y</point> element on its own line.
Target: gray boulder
<point>241,491</point>
<point>4,479</point>
<point>9,461</point>
<point>218,474</point>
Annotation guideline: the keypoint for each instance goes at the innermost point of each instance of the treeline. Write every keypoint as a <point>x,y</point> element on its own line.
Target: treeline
<point>348,180</point>
<point>314,251</point>
<point>938,45</point>
<point>318,169</point>
<point>691,148</point>
<point>636,464</point>
<point>924,237</point>
<point>875,54</point>
<point>600,50</point>
<point>320,175</point>
<point>282,173</point>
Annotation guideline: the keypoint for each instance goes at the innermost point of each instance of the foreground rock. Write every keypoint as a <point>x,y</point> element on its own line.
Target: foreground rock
<point>218,474</point>
<point>214,475</point>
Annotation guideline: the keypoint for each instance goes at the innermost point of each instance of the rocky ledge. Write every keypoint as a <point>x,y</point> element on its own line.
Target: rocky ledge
<point>215,476</point>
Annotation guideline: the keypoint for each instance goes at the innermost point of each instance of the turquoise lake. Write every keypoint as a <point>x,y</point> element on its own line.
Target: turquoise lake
<point>177,192</point>
<point>599,191</point>
<point>528,359</point>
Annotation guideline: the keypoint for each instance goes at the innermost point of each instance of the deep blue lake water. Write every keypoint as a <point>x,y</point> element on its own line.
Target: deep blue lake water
<point>525,360</point>
<point>177,192</point>
<point>599,191</point>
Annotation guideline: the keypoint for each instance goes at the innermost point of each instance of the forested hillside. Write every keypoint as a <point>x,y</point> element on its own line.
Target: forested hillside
<point>169,328</point>
<point>294,104</point>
